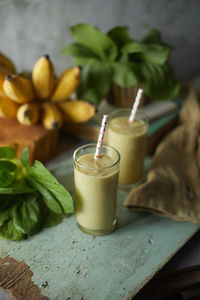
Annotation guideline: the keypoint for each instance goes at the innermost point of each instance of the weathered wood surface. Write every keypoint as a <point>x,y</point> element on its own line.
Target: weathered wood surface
<point>42,143</point>
<point>63,263</point>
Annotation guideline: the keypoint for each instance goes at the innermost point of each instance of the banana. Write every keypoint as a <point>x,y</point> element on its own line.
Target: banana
<point>8,108</point>
<point>6,64</point>
<point>77,111</point>
<point>43,77</point>
<point>28,113</point>
<point>52,117</point>
<point>18,88</point>
<point>67,84</point>
<point>2,77</point>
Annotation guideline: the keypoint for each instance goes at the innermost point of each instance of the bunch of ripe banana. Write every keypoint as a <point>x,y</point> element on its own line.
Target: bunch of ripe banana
<point>41,98</point>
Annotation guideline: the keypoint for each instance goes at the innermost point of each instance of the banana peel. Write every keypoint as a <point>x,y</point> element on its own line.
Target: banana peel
<point>66,84</point>
<point>37,97</point>
<point>18,88</point>
<point>43,77</point>
<point>52,117</point>
<point>6,65</point>
<point>8,108</point>
<point>2,78</point>
<point>77,111</point>
<point>29,113</point>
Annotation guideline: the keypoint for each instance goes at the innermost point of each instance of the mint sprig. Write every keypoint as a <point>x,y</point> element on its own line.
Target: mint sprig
<point>26,192</point>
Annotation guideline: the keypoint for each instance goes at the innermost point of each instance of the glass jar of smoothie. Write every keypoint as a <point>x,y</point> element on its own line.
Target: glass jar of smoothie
<point>129,138</point>
<point>96,183</point>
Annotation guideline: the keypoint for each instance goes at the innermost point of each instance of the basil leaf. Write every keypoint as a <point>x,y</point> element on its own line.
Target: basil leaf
<point>6,165</point>
<point>152,37</point>
<point>48,181</point>
<point>123,74</point>
<point>152,53</point>
<point>4,216</point>
<point>27,214</point>
<point>120,36</point>
<point>95,83</point>
<point>16,190</point>
<point>159,82</point>
<point>7,152</point>
<point>95,40</point>
<point>47,196</point>
<point>157,55</point>
<point>6,179</point>
<point>25,157</point>
<point>6,201</point>
<point>53,219</point>
<point>8,231</point>
<point>79,51</point>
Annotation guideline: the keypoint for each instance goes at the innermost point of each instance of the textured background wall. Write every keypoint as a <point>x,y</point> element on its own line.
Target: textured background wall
<point>31,28</point>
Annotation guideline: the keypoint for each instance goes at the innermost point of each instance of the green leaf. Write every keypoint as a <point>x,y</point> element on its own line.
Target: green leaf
<point>27,214</point>
<point>79,51</point>
<point>53,219</point>
<point>120,36</point>
<point>7,227</point>
<point>159,82</point>
<point>123,74</point>
<point>6,165</point>
<point>6,179</point>
<point>8,231</point>
<point>25,157</point>
<point>156,54</point>
<point>152,37</point>
<point>40,174</point>
<point>50,201</point>
<point>16,190</point>
<point>7,152</point>
<point>96,41</point>
<point>6,201</point>
<point>95,82</point>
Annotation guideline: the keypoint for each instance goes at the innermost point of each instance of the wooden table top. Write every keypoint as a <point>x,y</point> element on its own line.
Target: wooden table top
<point>62,262</point>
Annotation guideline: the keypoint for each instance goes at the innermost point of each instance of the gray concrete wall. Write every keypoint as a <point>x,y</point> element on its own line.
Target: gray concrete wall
<point>31,28</point>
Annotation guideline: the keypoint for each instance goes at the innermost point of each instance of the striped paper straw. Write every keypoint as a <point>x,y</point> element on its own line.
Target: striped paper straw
<point>135,105</point>
<point>101,135</point>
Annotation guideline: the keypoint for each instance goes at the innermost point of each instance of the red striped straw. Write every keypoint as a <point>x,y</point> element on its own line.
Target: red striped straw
<point>100,137</point>
<point>135,105</point>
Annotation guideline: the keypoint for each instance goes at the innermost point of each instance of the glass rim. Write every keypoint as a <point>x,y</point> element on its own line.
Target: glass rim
<point>94,145</point>
<point>128,110</point>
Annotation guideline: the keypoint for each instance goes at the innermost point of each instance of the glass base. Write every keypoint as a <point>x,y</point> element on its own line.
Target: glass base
<point>98,232</point>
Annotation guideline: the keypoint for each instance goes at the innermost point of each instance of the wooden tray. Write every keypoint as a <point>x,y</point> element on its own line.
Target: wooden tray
<point>42,143</point>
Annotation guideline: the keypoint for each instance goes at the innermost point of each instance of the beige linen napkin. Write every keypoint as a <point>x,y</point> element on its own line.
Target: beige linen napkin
<point>172,188</point>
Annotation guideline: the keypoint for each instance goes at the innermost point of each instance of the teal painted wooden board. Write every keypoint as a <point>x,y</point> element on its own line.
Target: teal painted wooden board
<point>111,267</point>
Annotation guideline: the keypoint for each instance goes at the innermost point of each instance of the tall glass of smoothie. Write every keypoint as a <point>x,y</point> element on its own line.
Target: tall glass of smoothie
<point>129,138</point>
<point>96,183</point>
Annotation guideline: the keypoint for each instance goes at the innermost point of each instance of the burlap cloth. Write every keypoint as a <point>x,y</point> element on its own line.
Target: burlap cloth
<point>172,188</point>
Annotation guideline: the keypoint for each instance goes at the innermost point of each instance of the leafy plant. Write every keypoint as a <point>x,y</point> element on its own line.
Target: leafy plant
<point>26,192</point>
<point>116,57</point>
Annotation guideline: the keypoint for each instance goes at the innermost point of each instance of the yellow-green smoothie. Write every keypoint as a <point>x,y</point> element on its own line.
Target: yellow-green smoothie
<point>96,192</point>
<point>129,138</point>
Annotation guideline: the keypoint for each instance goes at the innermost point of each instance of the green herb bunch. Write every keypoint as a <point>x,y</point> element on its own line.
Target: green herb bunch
<point>116,57</point>
<point>27,195</point>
